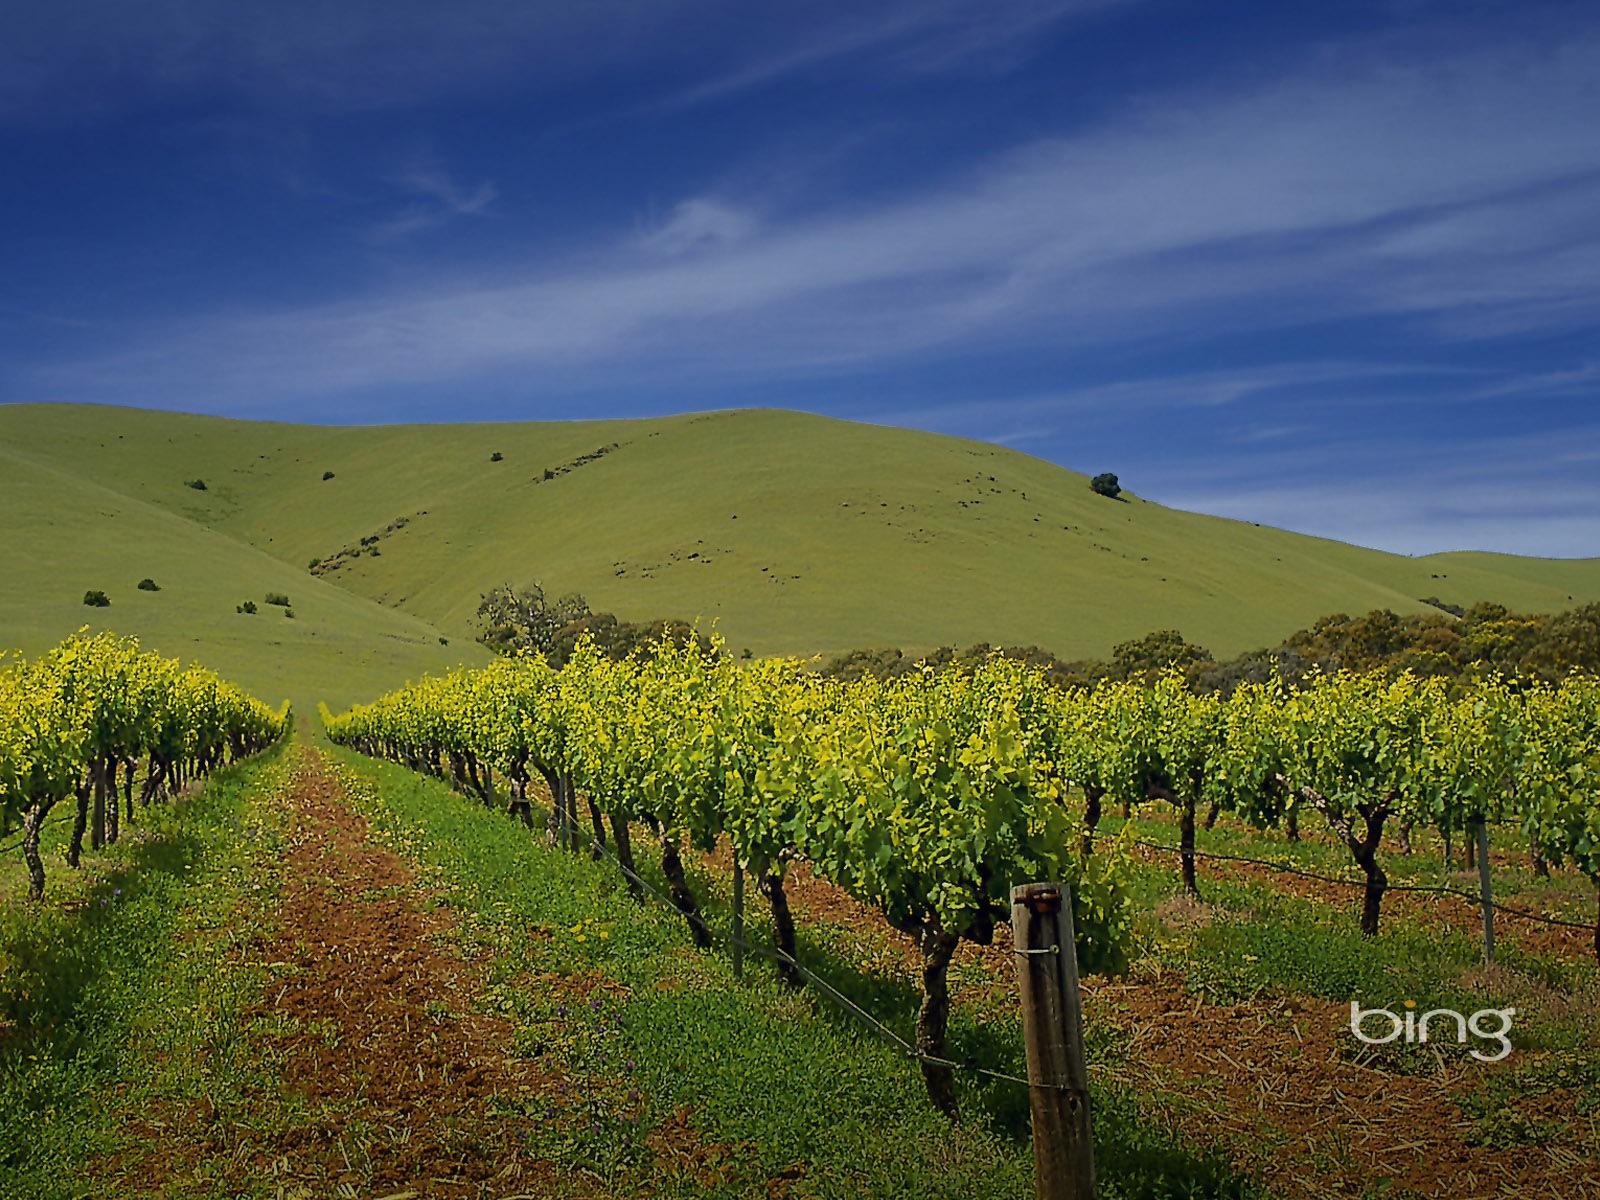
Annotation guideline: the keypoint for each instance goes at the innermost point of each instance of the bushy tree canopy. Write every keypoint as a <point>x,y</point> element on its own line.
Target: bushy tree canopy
<point>525,619</point>
<point>1106,484</point>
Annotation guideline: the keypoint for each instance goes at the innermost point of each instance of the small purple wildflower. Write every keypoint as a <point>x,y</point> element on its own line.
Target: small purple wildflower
<point>634,1094</point>
<point>628,1066</point>
<point>594,1005</point>
<point>561,1010</point>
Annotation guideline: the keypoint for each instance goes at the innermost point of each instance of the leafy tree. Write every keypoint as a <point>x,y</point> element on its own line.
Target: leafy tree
<point>625,639</point>
<point>520,621</point>
<point>1106,485</point>
<point>1146,657</point>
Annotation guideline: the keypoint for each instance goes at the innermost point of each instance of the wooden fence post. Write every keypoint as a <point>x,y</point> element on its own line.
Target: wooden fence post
<point>1052,1026</point>
<point>738,918</point>
<point>1485,894</point>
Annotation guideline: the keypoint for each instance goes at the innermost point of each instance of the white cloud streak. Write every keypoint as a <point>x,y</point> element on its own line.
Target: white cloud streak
<point>67,62</point>
<point>1456,194</point>
<point>444,201</point>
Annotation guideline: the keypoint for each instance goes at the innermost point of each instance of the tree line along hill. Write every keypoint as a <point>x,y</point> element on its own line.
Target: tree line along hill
<point>1485,639</point>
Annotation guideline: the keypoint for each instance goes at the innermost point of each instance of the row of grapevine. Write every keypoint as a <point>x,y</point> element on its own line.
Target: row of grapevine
<point>79,719</point>
<point>929,795</point>
<point>925,797</point>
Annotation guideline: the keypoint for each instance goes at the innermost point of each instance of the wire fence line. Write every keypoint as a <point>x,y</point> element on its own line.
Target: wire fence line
<point>970,1066</point>
<point>1433,889</point>
<point>822,986</point>
<point>16,845</point>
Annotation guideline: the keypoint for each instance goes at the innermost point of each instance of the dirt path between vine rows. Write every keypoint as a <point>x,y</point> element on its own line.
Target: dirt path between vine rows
<point>387,1071</point>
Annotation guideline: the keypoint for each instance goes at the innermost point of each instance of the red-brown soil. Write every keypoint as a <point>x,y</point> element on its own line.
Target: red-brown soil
<point>1275,1085</point>
<point>386,1069</point>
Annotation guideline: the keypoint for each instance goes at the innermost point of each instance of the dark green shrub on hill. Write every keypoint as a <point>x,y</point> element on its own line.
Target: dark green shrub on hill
<point>1147,657</point>
<point>327,475</point>
<point>1105,484</point>
<point>248,608</point>
<point>624,639</point>
<point>278,598</point>
<point>149,585</point>
<point>95,598</point>
<point>198,485</point>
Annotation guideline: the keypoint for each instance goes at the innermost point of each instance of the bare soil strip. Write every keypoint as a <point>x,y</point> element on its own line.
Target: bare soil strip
<point>387,1071</point>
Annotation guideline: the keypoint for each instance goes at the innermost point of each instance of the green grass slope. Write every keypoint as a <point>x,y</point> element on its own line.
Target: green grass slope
<point>796,533</point>
<point>63,535</point>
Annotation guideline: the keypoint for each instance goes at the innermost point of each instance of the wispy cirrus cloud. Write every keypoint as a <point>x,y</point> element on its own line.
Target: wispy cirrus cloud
<point>1512,495</point>
<point>440,201</point>
<point>913,38</point>
<point>97,57</point>
<point>1423,192</point>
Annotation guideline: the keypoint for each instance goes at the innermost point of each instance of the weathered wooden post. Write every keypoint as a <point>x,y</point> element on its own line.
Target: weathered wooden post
<point>1052,1026</point>
<point>1485,892</point>
<point>738,918</point>
<point>569,813</point>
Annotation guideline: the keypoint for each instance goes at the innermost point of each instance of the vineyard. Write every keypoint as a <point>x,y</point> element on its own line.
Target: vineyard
<point>877,823</point>
<point>79,720</point>
<point>928,797</point>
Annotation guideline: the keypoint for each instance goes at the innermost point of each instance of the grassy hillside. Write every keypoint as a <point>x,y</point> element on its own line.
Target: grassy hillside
<point>796,533</point>
<point>64,535</point>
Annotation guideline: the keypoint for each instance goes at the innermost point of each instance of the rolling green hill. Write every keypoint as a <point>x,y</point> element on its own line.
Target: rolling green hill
<point>63,535</point>
<point>795,533</point>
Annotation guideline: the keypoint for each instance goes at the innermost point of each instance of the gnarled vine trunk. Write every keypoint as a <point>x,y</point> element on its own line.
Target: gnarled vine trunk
<point>933,1017</point>
<point>1092,796</point>
<point>620,835</point>
<point>1363,849</point>
<point>771,886</point>
<point>32,819</point>
<point>678,886</point>
<point>80,822</point>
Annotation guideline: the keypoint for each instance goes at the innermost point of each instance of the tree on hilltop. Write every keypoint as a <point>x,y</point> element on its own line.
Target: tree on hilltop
<point>1106,485</point>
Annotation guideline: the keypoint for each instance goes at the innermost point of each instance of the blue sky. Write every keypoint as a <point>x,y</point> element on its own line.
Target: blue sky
<point>1334,267</point>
